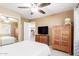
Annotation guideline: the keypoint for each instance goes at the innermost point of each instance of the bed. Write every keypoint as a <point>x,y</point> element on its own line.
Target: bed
<point>25,48</point>
<point>5,40</point>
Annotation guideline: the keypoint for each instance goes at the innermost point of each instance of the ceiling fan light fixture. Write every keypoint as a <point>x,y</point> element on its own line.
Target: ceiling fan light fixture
<point>34,9</point>
<point>6,21</point>
<point>12,19</point>
<point>3,17</point>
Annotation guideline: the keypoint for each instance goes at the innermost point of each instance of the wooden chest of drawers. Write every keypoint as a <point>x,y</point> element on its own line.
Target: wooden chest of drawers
<point>62,38</point>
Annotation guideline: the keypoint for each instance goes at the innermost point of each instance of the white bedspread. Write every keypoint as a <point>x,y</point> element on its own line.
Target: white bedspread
<point>7,40</point>
<point>25,48</point>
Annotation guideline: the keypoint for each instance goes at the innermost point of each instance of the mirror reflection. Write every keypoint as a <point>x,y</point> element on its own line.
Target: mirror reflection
<point>8,30</point>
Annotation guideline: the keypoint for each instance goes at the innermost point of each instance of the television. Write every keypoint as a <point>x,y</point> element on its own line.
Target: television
<point>43,30</point>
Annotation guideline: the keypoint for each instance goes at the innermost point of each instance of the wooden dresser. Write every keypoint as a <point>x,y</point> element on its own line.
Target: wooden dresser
<point>42,39</point>
<point>62,38</point>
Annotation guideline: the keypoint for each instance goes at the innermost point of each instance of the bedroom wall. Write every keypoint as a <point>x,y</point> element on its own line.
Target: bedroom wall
<point>22,28</point>
<point>53,20</point>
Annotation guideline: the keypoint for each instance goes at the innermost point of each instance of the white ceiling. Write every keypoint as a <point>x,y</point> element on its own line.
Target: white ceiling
<point>51,9</point>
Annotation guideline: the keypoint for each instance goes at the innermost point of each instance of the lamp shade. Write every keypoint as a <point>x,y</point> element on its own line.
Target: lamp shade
<point>67,21</point>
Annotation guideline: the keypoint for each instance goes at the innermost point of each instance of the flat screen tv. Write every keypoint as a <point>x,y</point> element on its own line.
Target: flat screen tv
<point>43,30</point>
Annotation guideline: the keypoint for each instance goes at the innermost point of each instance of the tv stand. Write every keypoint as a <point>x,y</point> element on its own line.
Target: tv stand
<point>42,38</point>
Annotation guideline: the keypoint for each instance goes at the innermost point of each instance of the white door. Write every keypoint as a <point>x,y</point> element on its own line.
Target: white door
<point>27,31</point>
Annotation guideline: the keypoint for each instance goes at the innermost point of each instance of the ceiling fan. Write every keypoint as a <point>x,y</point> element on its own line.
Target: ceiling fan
<point>36,6</point>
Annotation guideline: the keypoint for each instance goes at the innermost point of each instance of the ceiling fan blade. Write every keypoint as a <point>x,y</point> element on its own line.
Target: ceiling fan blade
<point>41,11</point>
<point>22,7</point>
<point>44,4</point>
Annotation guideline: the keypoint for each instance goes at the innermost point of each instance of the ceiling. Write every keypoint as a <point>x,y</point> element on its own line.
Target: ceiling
<point>51,9</point>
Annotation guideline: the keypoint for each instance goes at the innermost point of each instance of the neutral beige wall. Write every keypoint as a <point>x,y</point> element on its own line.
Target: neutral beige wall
<point>22,26</point>
<point>53,20</point>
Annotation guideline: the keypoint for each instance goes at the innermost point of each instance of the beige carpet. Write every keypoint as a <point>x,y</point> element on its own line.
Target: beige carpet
<point>58,53</point>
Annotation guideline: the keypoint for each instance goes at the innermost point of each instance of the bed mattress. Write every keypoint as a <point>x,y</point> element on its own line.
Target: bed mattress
<point>25,48</point>
<point>5,40</point>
